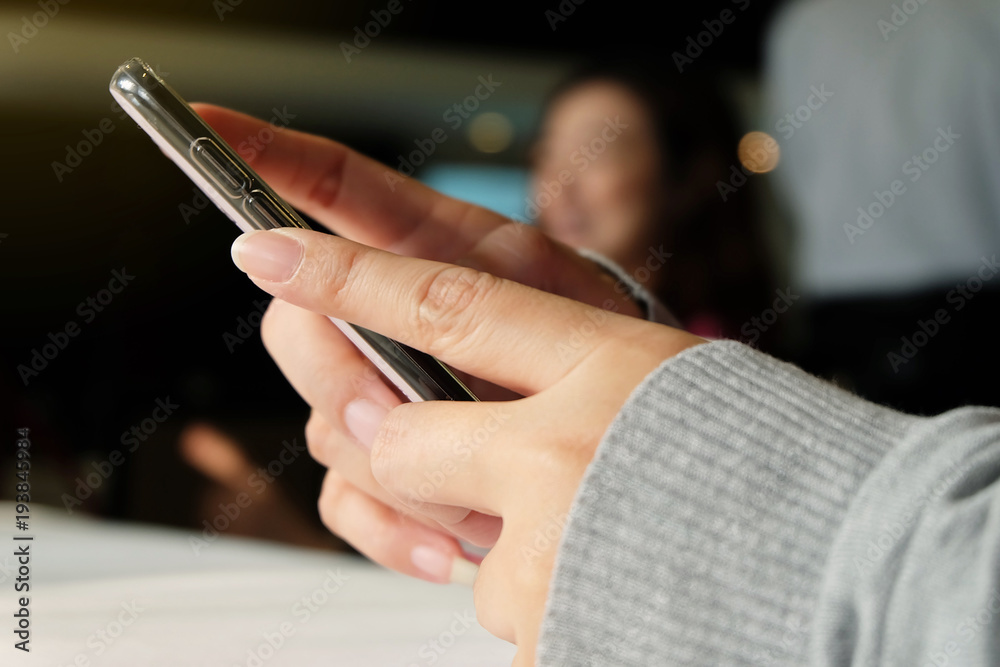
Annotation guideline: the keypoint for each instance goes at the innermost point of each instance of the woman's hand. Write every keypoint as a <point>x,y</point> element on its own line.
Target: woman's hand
<point>519,460</point>
<point>363,200</point>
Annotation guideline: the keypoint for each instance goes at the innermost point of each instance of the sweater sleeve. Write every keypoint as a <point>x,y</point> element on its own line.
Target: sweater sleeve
<point>742,512</point>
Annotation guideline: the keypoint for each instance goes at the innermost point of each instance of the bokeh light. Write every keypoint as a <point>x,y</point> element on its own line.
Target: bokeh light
<point>758,152</point>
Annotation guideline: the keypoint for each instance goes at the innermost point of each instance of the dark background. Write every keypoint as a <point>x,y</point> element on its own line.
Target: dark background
<point>121,208</point>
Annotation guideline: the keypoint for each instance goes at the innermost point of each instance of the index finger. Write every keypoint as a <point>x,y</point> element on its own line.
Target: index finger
<point>353,195</point>
<point>496,329</point>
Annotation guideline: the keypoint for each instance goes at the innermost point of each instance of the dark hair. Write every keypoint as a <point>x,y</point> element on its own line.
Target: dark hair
<point>689,113</point>
<point>720,264</point>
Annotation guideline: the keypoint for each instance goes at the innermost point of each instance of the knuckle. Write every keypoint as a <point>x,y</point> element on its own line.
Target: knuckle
<point>381,538</point>
<point>327,187</point>
<point>330,499</point>
<point>556,458</point>
<point>386,448</point>
<point>530,242</point>
<point>531,253</point>
<point>338,450</point>
<point>317,430</point>
<point>569,456</point>
<point>329,389</point>
<point>517,240</point>
<point>329,270</point>
<point>376,539</point>
<point>451,516</point>
<point>336,379</point>
<point>440,308</point>
<point>270,323</point>
<point>391,454</point>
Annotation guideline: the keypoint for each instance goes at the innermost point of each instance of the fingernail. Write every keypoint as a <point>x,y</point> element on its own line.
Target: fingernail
<point>363,419</point>
<point>442,567</point>
<point>268,255</point>
<point>463,572</point>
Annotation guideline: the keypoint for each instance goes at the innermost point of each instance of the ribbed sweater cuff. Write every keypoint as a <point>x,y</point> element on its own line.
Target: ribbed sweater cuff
<point>701,529</point>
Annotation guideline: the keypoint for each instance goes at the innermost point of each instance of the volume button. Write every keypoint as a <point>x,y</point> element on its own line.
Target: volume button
<point>220,168</point>
<point>268,213</point>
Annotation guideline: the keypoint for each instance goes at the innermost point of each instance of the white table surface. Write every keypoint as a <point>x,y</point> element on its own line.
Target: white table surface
<point>216,607</point>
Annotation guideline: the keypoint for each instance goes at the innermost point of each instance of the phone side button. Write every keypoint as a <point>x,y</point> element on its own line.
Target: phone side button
<point>265,211</point>
<point>214,162</point>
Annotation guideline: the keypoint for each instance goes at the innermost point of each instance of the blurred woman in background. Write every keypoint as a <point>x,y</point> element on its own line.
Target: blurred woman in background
<point>627,164</point>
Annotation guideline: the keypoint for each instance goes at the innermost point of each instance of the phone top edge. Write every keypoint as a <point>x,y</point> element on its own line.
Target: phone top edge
<point>236,189</point>
<point>198,149</point>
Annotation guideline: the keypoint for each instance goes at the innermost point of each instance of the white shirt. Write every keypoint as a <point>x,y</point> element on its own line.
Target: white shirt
<point>899,82</point>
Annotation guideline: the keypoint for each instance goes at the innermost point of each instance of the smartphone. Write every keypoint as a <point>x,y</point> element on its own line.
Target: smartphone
<point>229,182</point>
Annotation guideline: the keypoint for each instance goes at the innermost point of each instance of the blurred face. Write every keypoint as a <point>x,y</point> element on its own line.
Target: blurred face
<point>597,174</point>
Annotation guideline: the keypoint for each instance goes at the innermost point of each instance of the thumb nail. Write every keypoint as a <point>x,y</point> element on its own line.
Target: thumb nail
<point>268,255</point>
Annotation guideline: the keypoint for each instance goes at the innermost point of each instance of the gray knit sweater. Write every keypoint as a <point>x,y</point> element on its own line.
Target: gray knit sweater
<point>742,512</point>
